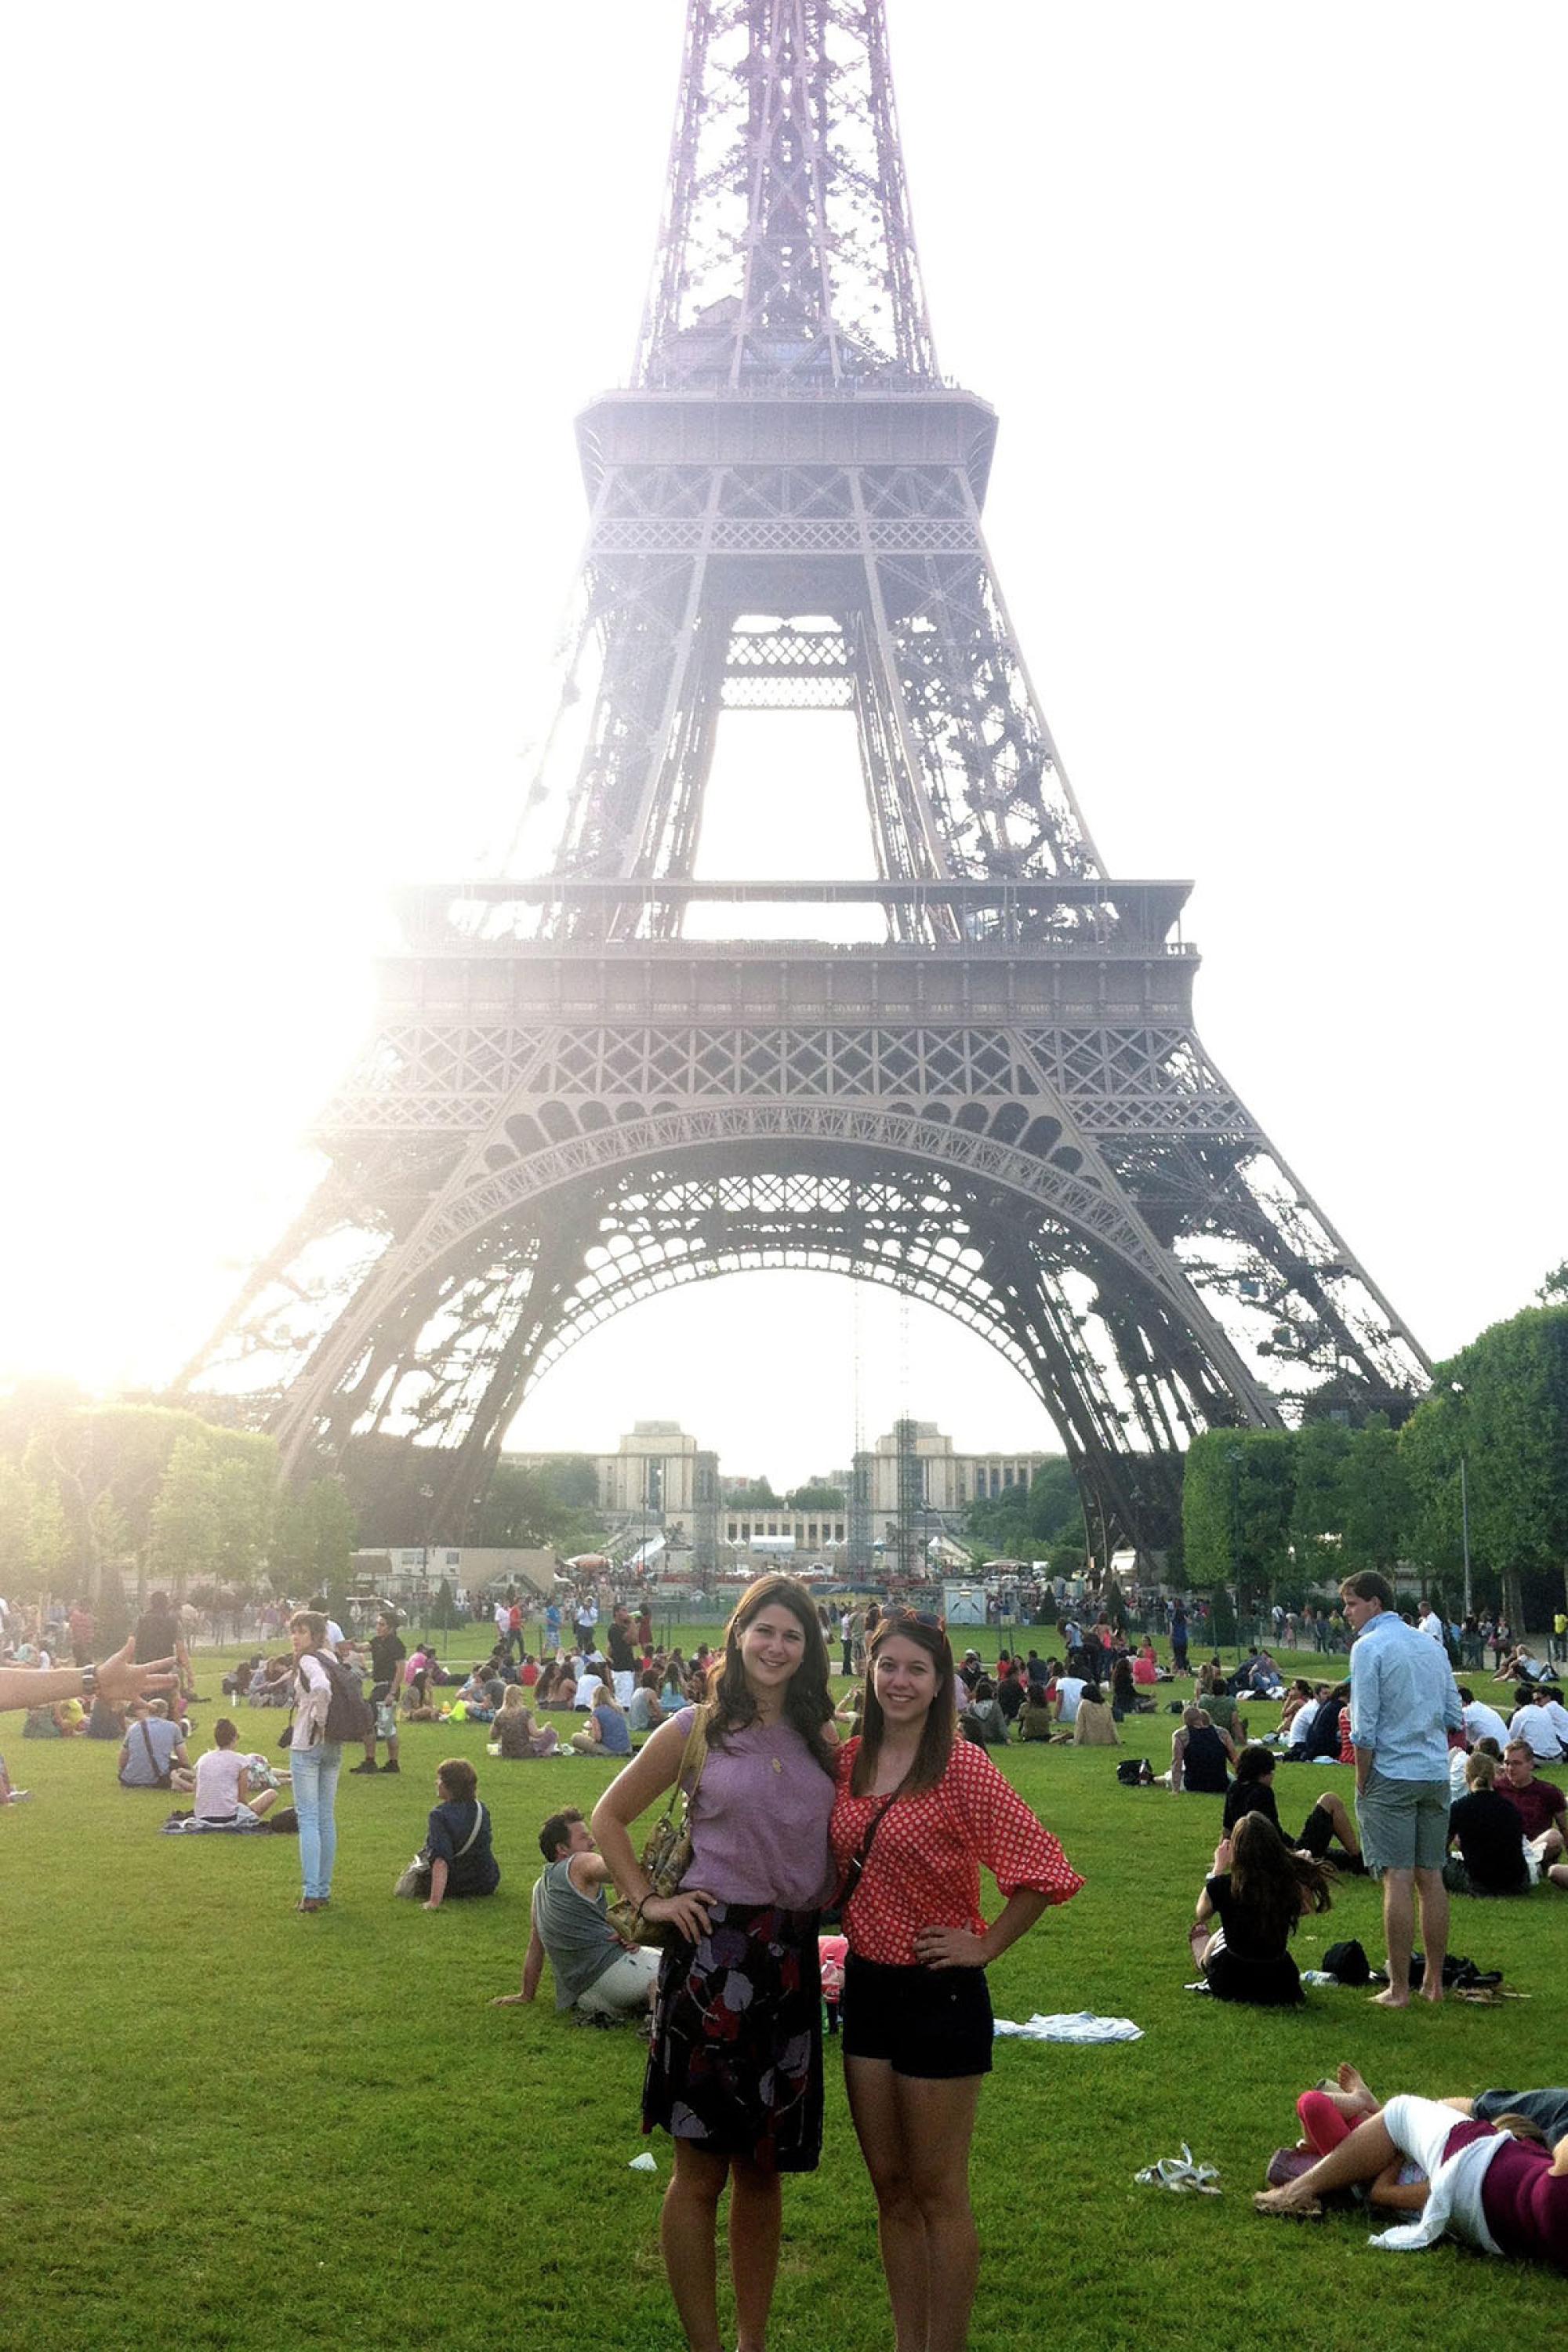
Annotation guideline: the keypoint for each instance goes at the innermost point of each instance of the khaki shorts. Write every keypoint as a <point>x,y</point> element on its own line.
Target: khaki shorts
<point>1404,1824</point>
<point>625,1985</point>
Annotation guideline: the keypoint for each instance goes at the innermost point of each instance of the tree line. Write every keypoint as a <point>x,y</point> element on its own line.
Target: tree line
<point>96,1498</point>
<point>1278,1515</point>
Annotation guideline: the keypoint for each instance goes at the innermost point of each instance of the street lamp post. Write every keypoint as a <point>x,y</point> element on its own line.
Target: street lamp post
<point>1234,1457</point>
<point>1458,1389</point>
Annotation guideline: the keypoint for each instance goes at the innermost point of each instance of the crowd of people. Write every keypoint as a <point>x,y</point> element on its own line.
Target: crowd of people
<point>886,1810</point>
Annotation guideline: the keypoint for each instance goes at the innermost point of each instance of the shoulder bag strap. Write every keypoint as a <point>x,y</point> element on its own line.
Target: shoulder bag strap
<point>856,1871</point>
<point>693,1755</point>
<point>473,1834</point>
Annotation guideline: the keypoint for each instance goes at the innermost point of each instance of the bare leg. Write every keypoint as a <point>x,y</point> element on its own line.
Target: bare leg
<point>687,2232</point>
<point>938,2124</point>
<point>1433,1897</point>
<point>756,2221</point>
<point>1354,2085</point>
<point>1344,1824</point>
<point>1368,2150</point>
<point>262,1803</point>
<point>900,2232</point>
<point>1399,1926</point>
<point>1200,1935</point>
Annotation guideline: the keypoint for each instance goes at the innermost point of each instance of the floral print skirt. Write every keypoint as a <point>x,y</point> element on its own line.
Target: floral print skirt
<point>736,2063</point>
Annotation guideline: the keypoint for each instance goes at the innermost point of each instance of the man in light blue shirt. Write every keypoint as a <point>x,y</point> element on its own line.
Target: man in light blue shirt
<point>1403,1704</point>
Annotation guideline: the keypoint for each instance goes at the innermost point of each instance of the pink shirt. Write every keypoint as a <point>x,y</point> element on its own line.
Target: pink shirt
<point>759,1827</point>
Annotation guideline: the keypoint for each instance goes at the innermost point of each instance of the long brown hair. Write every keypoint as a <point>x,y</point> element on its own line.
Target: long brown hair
<point>807,1703</point>
<point>1272,1881</point>
<point>936,1735</point>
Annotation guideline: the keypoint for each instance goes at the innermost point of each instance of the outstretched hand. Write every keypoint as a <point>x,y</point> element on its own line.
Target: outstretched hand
<point>120,1677</point>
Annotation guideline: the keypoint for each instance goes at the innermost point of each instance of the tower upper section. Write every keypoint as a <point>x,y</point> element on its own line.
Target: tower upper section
<point>786,259</point>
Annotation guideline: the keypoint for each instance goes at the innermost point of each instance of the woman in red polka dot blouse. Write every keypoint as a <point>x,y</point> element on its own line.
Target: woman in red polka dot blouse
<point>918,1812</point>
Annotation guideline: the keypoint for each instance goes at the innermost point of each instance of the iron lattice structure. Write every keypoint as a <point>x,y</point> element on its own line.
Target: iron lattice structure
<point>1001,1106</point>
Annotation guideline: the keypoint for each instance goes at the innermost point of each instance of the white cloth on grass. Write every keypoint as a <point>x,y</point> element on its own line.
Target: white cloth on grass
<point>1069,2025</point>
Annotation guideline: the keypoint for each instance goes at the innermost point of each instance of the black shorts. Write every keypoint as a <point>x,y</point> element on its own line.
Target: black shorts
<point>935,2024</point>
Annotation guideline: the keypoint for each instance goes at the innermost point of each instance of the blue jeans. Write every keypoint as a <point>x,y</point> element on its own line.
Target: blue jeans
<point>316,1773</point>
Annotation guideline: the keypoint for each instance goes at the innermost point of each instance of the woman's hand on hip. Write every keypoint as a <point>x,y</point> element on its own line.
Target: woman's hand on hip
<point>950,1947</point>
<point>687,1912</point>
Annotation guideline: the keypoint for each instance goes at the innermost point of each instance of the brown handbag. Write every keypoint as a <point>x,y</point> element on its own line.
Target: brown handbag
<point>667,1857</point>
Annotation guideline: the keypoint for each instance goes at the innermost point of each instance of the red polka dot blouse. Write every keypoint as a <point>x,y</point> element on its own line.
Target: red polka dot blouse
<point>924,1870</point>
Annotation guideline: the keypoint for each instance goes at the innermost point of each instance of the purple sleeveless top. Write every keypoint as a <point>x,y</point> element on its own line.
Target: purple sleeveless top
<point>759,1827</point>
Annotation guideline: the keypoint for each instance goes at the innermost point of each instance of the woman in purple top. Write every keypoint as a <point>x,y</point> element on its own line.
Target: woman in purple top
<point>734,2074</point>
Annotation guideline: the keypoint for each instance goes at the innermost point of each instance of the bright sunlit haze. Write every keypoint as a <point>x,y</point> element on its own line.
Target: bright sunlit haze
<point>301,303</point>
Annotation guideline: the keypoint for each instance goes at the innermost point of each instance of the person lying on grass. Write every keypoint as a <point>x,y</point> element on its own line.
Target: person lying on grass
<point>1489,2187</point>
<point>1258,1890</point>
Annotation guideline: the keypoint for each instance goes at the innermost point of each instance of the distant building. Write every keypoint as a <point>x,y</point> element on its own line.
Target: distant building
<point>949,1482</point>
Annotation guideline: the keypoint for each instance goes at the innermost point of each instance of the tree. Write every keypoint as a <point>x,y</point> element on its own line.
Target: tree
<point>312,1551</point>
<point>1501,1403</point>
<point>246,1496</point>
<point>185,1522</point>
<point>815,1497</point>
<point>753,1495</point>
<point>1553,1291</point>
<point>531,1507</point>
<point>1237,1498</point>
<point>1375,1500</point>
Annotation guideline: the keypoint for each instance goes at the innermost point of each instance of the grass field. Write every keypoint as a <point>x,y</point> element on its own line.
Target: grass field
<point>231,2127</point>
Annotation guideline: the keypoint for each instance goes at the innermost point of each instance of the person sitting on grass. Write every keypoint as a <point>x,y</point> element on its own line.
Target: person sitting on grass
<point>1541,1805</point>
<point>1258,1890</point>
<point>645,1714</point>
<point>519,1736</point>
<point>594,1970</point>
<point>226,1788</point>
<point>1200,1755</point>
<point>1541,1719</point>
<point>1094,1725</point>
<point>1503,2191</point>
<point>1299,1700</point>
<point>1216,1696</point>
<point>605,1733</point>
<point>1494,1857</point>
<point>153,1755</point>
<point>982,1721</point>
<point>1522,1665</point>
<point>457,1837</point>
<point>105,1720</point>
<point>472,1704</point>
<point>1252,1791</point>
<point>1035,1720</point>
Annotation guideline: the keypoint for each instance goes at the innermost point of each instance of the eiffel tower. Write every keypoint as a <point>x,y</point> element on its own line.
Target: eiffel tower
<point>999,1105</point>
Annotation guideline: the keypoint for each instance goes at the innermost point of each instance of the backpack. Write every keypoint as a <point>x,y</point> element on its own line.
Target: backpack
<point>350,1715</point>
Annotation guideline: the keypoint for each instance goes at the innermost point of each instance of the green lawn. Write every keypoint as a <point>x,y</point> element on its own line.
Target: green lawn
<point>232,2127</point>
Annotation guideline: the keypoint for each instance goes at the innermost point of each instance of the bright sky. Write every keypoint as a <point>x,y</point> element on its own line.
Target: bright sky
<point>300,304</point>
